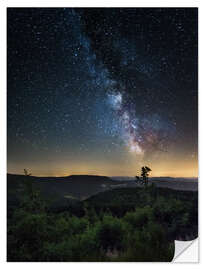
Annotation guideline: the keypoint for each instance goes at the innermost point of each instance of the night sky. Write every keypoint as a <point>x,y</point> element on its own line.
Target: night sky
<point>102,91</point>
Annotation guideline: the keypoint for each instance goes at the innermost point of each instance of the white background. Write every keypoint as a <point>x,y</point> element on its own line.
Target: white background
<point>3,159</point>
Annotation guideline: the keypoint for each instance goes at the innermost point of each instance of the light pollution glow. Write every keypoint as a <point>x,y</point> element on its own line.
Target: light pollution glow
<point>172,168</point>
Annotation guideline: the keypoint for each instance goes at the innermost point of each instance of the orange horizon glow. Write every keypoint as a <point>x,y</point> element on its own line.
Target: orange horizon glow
<point>187,172</point>
<point>171,165</point>
<point>66,175</point>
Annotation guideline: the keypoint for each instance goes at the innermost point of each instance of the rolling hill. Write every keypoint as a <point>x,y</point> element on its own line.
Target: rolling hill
<point>60,189</point>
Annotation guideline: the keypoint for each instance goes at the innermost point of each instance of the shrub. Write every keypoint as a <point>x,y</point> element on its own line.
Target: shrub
<point>110,233</point>
<point>148,244</point>
<point>140,217</point>
<point>77,225</point>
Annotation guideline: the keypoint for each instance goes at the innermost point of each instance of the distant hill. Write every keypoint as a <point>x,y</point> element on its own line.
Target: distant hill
<point>61,190</point>
<point>83,186</point>
<point>58,188</point>
<point>136,196</point>
<point>177,183</point>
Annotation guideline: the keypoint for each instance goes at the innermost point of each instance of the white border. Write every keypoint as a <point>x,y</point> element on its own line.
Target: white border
<point>70,3</point>
<point>104,3</point>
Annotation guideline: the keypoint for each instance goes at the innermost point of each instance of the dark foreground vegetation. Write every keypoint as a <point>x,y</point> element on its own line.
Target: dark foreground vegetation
<point>125,224</point>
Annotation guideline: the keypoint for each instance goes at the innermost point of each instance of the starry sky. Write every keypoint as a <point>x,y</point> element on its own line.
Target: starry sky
<point>102,91</point>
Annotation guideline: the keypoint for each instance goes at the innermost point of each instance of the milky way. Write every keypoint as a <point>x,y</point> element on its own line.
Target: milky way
<point>102,90</point>
<point>141,135</point>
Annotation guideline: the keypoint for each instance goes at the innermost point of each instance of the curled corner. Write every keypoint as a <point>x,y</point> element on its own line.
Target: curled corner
<point>186,251</point>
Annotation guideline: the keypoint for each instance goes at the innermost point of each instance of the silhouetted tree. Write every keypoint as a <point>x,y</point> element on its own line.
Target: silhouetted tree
<point>30,196</point>
<point>138,179</point>
<point>27,184</point>
<point>26,173</point>
<point>144,175</point>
